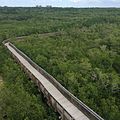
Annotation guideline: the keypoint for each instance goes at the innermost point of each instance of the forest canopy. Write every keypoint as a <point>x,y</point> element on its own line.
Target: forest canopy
<point>79,47</point>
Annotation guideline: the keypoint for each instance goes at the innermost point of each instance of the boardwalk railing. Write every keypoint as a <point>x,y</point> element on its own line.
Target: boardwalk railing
<point>79,104</point>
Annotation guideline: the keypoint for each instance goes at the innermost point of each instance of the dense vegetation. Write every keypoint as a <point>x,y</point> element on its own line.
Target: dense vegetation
<point>84,54</point>
<point>19,97</point>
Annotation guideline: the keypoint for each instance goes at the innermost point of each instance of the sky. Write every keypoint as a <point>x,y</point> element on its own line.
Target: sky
<point>61,3</point>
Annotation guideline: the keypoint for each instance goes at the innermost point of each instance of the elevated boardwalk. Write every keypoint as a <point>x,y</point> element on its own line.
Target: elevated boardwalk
<point>68,106</point>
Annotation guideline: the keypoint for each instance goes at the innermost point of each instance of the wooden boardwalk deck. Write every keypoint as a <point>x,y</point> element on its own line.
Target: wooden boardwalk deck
<point>68,106</point>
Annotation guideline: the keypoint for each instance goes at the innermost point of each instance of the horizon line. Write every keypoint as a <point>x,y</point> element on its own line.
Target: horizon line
<point>50,6</point>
